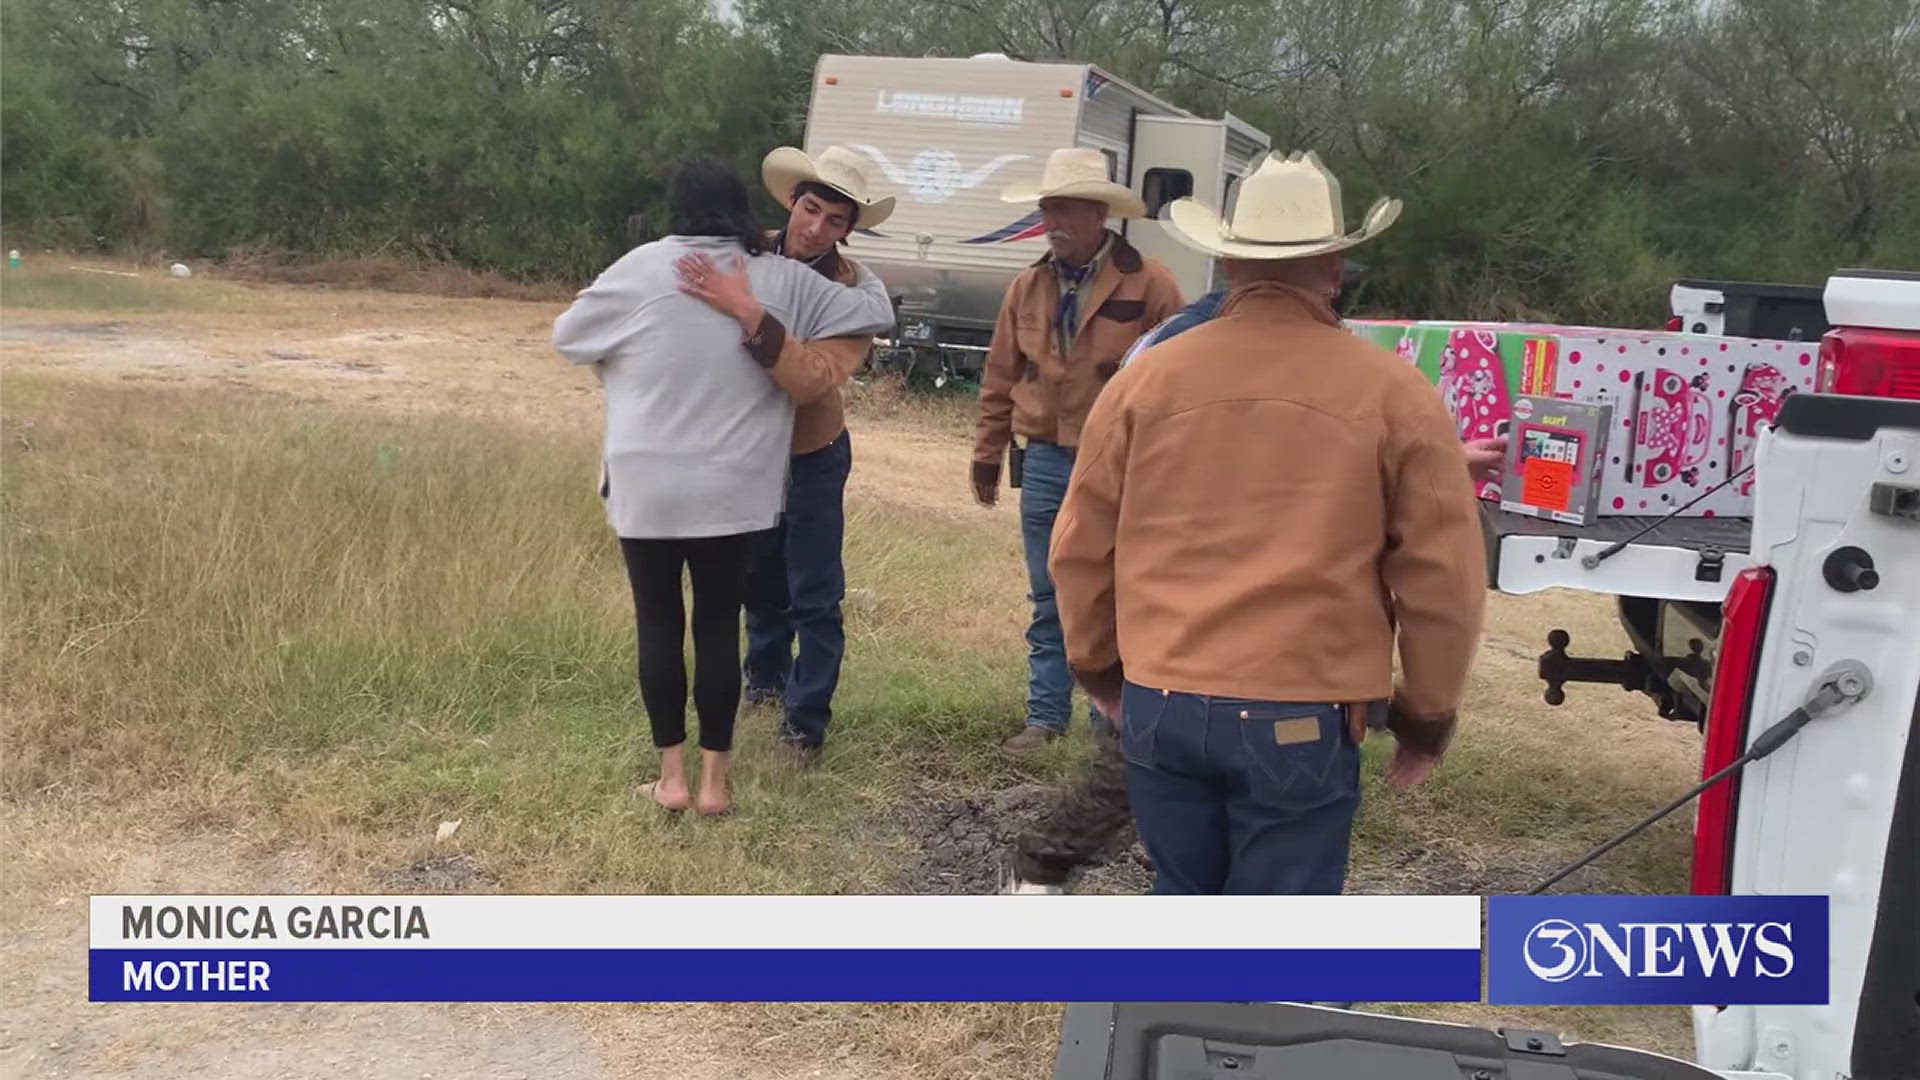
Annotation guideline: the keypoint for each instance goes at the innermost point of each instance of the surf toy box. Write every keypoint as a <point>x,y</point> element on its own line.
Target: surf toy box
<point>1555,453</point>
<point>1687,409</point>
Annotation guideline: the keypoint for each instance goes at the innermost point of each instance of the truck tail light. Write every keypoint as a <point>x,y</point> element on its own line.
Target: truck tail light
<point>1676,324</point>
<point>1743,622</point>
<point>1869,363</point>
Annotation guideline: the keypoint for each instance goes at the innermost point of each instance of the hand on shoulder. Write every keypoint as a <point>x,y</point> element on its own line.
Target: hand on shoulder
<point>722,286</point>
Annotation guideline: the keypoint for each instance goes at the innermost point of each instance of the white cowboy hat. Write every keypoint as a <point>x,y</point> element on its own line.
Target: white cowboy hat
<point>1288,208</point>
<point>838,168</point>
<point>1078,173</point>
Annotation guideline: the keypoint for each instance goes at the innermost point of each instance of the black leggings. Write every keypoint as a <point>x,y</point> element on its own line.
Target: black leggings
<point>718,566</point>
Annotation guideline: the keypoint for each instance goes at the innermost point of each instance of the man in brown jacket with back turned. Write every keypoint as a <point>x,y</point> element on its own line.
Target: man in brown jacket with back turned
<point>1066,323</point>
<point>1260,504</point>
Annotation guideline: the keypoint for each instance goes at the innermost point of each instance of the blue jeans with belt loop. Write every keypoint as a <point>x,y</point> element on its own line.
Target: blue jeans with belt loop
<point>1043,486</point>
<point>1238,796</point>
<point>796,637</point>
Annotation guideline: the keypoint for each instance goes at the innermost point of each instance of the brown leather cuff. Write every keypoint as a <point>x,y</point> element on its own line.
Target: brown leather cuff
<point>1107,682</point>
<point>1426,734</point>
<point>767,340</point>
<point>986,474</point>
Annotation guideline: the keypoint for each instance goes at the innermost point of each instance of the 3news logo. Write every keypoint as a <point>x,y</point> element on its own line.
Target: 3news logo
<point>1657,950</point>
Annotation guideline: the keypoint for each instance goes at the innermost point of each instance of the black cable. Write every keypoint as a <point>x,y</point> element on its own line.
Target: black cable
<point>1770,740</point>
<point>1619,546</point>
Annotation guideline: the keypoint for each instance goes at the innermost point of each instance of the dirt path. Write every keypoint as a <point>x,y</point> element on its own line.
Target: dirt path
<point>485,359</point>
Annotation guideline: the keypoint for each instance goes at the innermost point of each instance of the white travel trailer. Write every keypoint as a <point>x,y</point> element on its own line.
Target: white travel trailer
<point>948,134</point>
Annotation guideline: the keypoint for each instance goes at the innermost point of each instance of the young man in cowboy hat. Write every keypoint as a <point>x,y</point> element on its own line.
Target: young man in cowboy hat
<point>1262,504</point>
<point>796,585</point>
<point>1063,328</point>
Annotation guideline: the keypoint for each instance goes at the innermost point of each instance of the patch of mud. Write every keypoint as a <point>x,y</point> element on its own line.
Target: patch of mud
<point>439,873</point>
<point>964,844</point>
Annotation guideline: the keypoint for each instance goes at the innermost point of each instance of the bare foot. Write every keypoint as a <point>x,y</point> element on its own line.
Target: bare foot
<point>715,796</point>
<point>668,795</point>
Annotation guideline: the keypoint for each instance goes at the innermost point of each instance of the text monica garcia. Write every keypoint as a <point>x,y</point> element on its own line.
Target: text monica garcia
<point>324,922</point>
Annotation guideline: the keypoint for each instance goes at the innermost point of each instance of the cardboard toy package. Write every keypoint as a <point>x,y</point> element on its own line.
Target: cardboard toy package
<point>1478,368</point>
<point>1687,409</point>
<point>1555,455</point>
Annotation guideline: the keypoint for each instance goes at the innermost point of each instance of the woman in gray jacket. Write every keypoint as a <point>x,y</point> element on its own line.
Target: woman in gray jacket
<point>696,445</point>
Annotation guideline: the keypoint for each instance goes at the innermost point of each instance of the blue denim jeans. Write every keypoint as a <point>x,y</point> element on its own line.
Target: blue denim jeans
<point>1236,796</point>
<point>1044,476</point>
<point>794,592</point>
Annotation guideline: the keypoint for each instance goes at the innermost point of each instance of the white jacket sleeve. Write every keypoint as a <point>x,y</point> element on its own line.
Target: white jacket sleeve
<point>824,309</point>
<point>599,319</point>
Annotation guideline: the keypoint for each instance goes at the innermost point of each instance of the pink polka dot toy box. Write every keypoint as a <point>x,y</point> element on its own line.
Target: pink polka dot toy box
<point>1687,409</point>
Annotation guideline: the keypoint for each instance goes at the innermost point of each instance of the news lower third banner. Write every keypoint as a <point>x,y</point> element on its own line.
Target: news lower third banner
<point>784,948</point>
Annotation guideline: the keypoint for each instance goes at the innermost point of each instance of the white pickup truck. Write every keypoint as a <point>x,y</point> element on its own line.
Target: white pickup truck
<point>1813,602</point>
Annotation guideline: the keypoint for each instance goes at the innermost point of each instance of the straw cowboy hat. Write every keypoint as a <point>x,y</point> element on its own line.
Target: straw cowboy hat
<point>1078,173</point>
<point>840,169</point>
<point>1288,208</point>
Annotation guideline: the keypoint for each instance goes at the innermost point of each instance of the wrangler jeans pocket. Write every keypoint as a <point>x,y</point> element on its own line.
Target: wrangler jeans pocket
<point>1140,713</point>
<point>1293,756</point>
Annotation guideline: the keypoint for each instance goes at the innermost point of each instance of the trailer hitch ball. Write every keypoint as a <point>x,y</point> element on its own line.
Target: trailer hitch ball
<point>1557,669</point>
<point>1553,667</point>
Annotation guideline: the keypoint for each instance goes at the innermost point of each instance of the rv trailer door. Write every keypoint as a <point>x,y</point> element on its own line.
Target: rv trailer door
<point>1175,157</point>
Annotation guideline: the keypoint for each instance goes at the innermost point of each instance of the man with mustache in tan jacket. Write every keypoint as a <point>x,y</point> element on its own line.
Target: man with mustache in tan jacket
<point>1063,328</point>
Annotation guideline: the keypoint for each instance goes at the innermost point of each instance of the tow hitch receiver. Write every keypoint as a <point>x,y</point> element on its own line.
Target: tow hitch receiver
<point>1630,673</point>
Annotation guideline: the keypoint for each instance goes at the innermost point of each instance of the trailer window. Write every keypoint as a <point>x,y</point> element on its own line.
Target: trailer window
<point>1162,186</point>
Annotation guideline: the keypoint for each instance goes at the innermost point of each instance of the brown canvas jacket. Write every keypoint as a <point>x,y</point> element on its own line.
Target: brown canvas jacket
<point>1258,504</point>
<point>1028,388</point>
<point>815,373</point>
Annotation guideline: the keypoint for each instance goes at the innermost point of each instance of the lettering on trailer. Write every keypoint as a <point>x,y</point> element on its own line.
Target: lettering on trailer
<point>1657,950</point>
<point>966,108</point>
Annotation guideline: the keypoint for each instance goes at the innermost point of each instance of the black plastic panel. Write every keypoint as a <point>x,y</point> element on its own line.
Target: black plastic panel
<point>1886,1032</point>
<point>1237,1041</point>
<point>1842,416</point>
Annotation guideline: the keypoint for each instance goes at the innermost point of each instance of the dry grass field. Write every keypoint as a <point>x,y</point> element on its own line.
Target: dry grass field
<point>293,574</point>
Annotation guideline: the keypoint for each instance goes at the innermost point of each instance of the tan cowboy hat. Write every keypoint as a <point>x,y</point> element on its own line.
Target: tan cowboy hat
<point>838,168</point>
<point>1078,173</point>
<point>1288,208</point>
